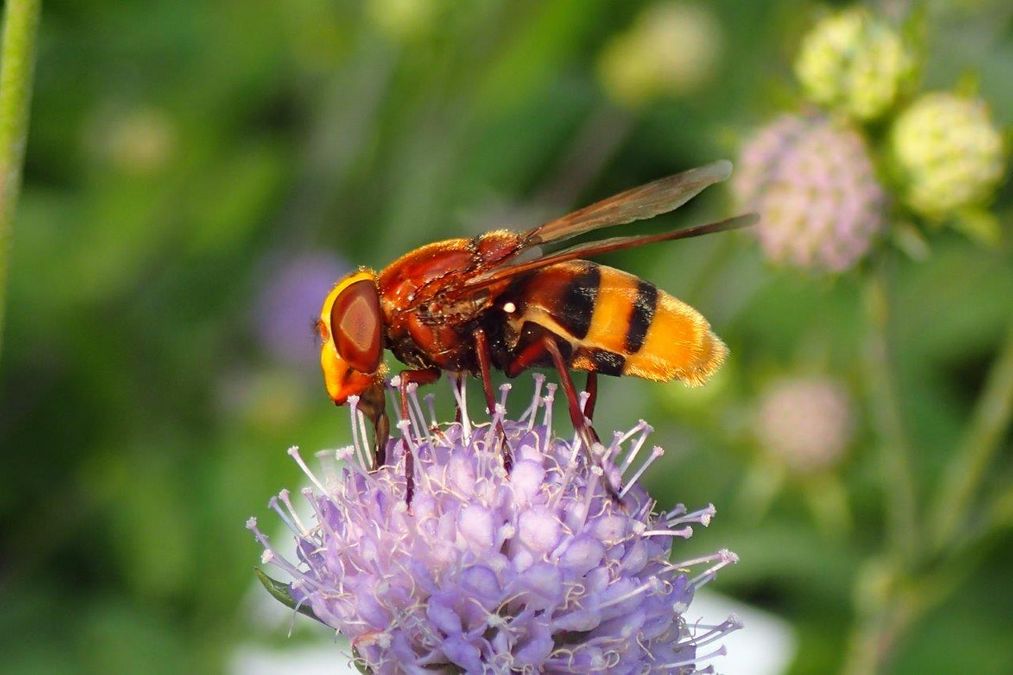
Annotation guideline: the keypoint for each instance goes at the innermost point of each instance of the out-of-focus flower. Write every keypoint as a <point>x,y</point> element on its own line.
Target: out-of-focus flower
<point>672,48</point>
<point>403,19</point>
<point>807,423</point>
<point>854,62</point>
<point>947,153</point>
<point>134,140</point>
<point>811,180</point>
<point>289,302</point>
<point>537,569</point>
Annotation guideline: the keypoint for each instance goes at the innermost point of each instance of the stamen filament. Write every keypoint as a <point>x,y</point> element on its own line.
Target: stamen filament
<point>657,452</point>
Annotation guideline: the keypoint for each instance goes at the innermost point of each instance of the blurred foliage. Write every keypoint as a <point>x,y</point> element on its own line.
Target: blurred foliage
<point>181,152</point>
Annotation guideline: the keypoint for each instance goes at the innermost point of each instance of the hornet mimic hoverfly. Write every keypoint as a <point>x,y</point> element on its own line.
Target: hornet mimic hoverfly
<point>471,305</point>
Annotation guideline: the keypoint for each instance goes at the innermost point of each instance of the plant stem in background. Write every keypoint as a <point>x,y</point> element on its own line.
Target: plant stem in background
<point>17,65</point>
<point>961,481</point>
<point>878,633</point>
<point>595,144</point>
<point>898,484</point>
<point>899,593</point>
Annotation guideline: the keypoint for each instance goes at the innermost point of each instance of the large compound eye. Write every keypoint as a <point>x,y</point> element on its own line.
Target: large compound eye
<point>356,326</point>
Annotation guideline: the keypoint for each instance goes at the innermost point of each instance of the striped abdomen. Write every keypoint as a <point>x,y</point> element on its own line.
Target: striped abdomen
<point>618,324</point>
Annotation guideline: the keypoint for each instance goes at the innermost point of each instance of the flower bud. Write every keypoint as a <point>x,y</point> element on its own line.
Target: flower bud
<point>672,48</point>
<point>947,154</point>
<point>854,62</point>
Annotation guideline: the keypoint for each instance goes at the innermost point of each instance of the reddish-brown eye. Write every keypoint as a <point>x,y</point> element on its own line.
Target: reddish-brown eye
<point>356,326</point>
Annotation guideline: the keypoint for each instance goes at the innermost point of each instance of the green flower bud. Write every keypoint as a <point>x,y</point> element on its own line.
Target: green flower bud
<point>947,154</point>
<point>854,62</point>
<point>671,48</point>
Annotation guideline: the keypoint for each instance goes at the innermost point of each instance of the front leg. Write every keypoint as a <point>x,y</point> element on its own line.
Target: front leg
<point>407,377</point>
<point>373,404</point>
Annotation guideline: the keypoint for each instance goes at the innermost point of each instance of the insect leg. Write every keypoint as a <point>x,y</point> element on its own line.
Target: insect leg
<point>580,423</point>
<point>592,394</point>
<point>482,351</point>
<point>373,405</point>
<point>407,377</point>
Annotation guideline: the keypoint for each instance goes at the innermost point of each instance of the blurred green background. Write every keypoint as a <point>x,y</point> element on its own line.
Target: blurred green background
<point>198,173</point>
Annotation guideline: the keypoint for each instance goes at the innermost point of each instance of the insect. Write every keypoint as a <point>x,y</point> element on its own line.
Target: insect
<point>497,301</point>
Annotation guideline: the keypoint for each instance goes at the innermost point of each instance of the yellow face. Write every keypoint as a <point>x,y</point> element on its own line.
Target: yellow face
<point>351,333</point>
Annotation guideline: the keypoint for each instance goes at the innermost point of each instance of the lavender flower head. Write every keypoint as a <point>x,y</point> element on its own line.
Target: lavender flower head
<point>535,570</point>
<point>812,181</point>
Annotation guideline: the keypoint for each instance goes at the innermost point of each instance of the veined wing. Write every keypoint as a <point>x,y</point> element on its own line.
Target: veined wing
<point>639,203</point>
<point>594,248</point>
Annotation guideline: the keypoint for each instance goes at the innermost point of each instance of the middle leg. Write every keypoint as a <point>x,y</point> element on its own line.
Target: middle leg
<point>407,377</point>
<point>483,353</point>
<point>592,393</point>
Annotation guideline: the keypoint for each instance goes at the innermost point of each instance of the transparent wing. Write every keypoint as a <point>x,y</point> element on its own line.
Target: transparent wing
<point>595,248</point>
<point>639,203</point>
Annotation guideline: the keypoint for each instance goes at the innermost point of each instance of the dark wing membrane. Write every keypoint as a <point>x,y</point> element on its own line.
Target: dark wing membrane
<point>640,203</point>
<point>594,248</point>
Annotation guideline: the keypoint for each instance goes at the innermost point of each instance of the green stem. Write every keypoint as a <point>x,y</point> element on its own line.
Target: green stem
<point>898,483</point>
<point>963,476</point>
<point>876,638</point>
<point>17,65</point>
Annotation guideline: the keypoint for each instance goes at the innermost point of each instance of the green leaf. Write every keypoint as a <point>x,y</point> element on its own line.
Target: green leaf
<point>359,665</point>
<point>283,593</point>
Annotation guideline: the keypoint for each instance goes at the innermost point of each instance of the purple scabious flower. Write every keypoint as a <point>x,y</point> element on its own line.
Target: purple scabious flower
<point>812,181</point>
<point>534,570</point>
<point>287,305</point>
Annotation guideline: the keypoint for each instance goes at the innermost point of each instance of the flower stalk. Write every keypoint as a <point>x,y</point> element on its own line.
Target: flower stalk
<point>992,416</point>
<point>17,67</point>
<point>885,413</point>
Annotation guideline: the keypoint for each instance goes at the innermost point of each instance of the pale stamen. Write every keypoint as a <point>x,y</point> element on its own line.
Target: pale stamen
<point>684,533</point>
<point>550,397</point>
<point>703,516</point>
<point>462,405</point>
<point>529,414</point>
<point>645,431</point>
<point>651,584</point>
<point>284,497</point>
<point>415,412</point>
<point>430,400</point>
<point>293,452</point>
<point>657,452</point>
<point>720,651</point>
<point>272,504</point>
